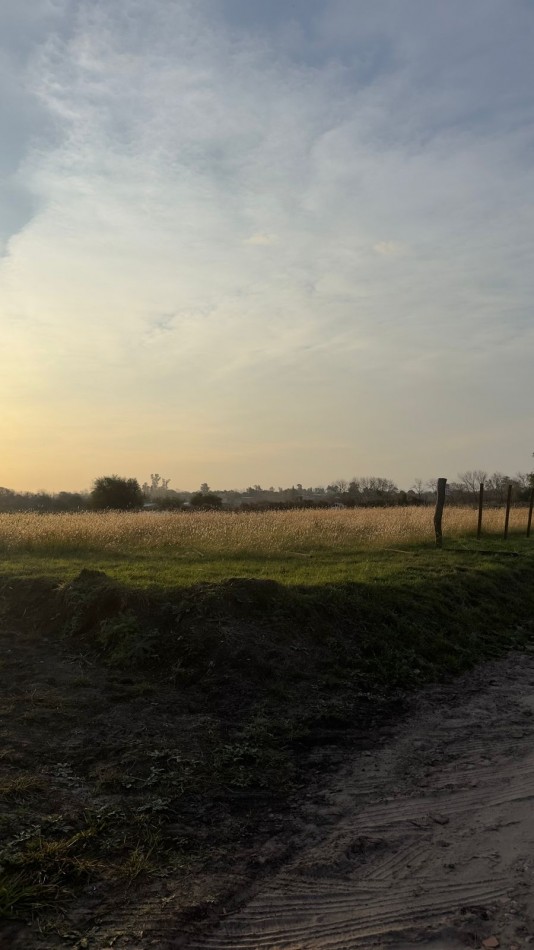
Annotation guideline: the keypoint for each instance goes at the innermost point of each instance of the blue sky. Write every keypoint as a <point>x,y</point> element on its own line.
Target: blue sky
<point>270,242</point>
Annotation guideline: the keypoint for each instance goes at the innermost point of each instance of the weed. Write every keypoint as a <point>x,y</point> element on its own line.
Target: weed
<point>20,897</point>
<point>124,642</point>
<point>21,787</point>
<point>138,861</point>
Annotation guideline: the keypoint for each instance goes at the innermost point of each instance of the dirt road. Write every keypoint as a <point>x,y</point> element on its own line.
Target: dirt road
<point>427,842</point>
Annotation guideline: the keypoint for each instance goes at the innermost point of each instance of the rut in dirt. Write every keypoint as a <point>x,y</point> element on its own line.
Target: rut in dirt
<point>427,841</point>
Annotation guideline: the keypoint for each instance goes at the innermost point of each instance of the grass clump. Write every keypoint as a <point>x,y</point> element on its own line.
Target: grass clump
<point>52,861</point>
<point>125,642</point>
<point>20,897</point>
<point>21,786</point>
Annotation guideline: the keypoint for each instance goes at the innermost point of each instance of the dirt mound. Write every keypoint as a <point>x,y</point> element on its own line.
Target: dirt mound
<point>153,741</point>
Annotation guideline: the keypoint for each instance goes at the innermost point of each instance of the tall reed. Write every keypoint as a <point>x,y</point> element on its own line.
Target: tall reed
<point>227,533</point>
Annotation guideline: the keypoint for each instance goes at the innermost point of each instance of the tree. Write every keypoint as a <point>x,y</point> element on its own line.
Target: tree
<point>170,501</point>
<point>158,487</point>
<point>472,481</point>
<point>112,491</point>
<point>8,499</point>
<point>418,487</point>
<point>523,479</point>
<point>497,484</point>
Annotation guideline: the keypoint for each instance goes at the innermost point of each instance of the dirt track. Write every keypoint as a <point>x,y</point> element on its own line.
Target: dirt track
<point>426,842</point>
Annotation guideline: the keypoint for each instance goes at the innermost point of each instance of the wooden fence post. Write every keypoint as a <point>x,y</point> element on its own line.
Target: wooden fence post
<point>440,501</point>
<point>480,507</point>
<point>530,507</point>
<point>507,516</point>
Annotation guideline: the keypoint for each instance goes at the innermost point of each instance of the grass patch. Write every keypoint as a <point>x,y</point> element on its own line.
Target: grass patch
<point>19,897</point>
<point>340,566</point>
<point>21,787</point>
<point>50,862</point>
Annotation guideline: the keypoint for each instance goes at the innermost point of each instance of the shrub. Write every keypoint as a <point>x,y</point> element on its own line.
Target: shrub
<point>111,491</point>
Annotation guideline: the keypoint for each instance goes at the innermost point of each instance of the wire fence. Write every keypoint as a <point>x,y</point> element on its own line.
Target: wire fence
<point>441,494</point>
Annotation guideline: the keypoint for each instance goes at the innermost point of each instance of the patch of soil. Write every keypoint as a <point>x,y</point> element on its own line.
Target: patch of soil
<point>425,843</point>
<point>135,803</point>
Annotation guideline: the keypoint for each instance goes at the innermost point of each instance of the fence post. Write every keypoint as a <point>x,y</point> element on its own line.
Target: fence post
<point>440,501</point>
<point>507,516</point>
<point>530,507</point>
<point>480,507</point>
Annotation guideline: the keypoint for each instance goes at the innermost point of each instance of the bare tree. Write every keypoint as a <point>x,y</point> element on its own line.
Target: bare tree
<point>158,486</point>
<point>497,484</point>
<point>472,480</point>
<point>523,479</point>
<point>418,487</point>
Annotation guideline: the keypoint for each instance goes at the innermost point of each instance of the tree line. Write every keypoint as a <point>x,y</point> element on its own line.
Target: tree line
<point>119,493</point>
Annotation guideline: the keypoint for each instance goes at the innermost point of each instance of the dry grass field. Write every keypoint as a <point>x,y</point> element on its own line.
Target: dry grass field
<point>207,533</point>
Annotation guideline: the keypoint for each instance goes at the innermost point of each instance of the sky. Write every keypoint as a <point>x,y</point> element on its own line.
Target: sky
<point>265,241</point>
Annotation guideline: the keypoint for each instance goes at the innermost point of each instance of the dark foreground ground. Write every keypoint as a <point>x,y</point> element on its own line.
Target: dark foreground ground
<point>425,842</point>
<point>168,758</point>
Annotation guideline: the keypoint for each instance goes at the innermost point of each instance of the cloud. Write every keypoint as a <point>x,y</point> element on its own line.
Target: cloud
<point>262,240</point>
<point>379,155</point>
<point>389,248</point>
<point>23,120</point>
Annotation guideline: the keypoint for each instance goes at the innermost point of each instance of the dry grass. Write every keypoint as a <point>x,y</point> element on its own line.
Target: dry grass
<point>226,534</point>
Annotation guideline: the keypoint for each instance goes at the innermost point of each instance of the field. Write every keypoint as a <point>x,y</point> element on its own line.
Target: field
<point>172,683</point>
<point>177,549</point>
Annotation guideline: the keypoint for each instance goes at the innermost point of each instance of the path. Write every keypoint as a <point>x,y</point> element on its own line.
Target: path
<point>427,842</point>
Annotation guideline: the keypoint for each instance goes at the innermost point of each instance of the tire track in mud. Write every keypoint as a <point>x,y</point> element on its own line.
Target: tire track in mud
<point>428,835</point>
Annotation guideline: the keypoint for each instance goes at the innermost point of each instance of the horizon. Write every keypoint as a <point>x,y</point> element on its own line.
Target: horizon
<point>284,238</point>
<point>424,486</point>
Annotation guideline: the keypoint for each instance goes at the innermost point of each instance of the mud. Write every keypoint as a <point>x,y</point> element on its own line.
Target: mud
<point>426,842</point>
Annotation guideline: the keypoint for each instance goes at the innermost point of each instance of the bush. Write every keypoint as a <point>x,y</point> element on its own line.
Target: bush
<point>206,500</point>
<point>111,491</point>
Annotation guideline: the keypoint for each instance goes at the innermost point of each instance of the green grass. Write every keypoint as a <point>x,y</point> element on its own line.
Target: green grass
<point>315,568</point>
<point>437,609</point>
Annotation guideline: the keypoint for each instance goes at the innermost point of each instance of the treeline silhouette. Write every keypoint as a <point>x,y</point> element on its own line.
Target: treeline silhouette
<point>43,501</point>
<point>369,491</point>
